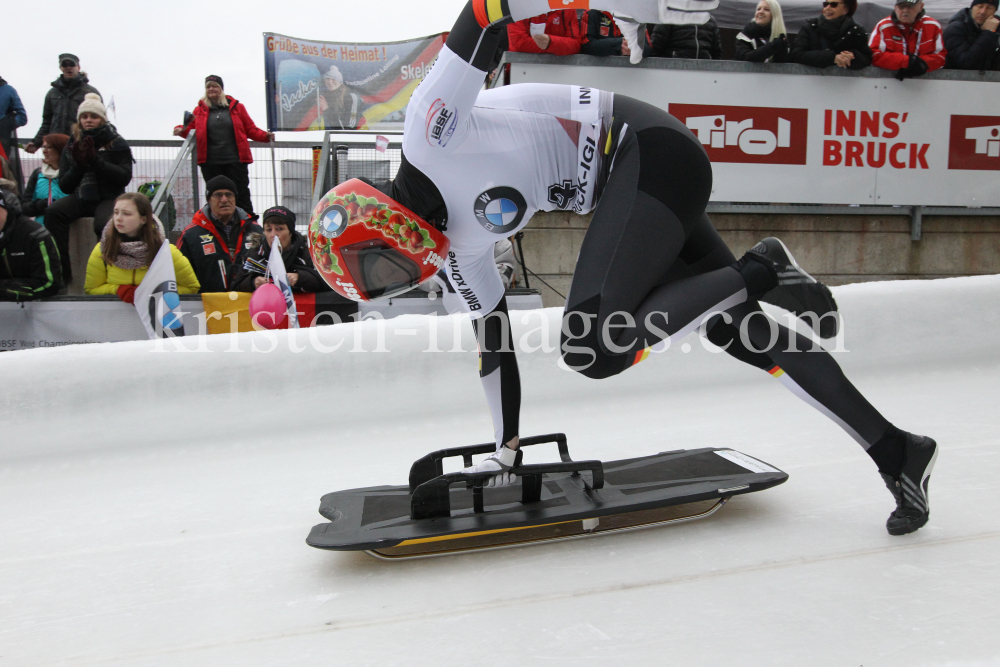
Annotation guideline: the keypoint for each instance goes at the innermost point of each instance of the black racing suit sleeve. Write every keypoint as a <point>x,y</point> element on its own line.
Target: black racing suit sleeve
<point>498,371</point>
<point>473,43</point>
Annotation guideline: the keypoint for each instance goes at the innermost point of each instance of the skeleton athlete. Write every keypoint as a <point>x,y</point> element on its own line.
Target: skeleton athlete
<point>478,163</point>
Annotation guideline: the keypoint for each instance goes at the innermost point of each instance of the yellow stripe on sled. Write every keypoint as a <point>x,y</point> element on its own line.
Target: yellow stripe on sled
<point>494,10</point>
<point>441,538</point>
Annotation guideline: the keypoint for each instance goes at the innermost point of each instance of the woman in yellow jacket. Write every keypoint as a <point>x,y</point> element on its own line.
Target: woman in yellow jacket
<point>128,245</point>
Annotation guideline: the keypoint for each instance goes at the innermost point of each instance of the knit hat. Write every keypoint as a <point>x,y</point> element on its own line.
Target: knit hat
<point>983,2</point>
<point>219,182</point>
<point>216,78</point>
<point>92,104</point>
<point>281,215</point>
<point>334,73</point>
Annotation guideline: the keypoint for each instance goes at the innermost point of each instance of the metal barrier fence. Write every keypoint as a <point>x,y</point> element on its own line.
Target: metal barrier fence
<point>293,163</point>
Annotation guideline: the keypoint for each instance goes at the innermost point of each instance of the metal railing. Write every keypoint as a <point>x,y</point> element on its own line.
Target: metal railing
<point>291,169</point>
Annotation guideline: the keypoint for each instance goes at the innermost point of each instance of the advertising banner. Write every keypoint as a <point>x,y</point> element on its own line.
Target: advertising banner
<point>335,86</point>
<point>790,138</point>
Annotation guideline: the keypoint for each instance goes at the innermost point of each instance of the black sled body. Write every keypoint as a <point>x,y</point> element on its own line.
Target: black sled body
<point>438,514</point>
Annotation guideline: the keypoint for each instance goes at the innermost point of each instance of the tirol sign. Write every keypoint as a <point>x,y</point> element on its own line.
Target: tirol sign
<point>974,143</point>
<point>755,135</point>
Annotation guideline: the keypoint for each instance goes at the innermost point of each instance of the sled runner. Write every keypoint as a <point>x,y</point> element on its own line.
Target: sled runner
<point>444,513</point>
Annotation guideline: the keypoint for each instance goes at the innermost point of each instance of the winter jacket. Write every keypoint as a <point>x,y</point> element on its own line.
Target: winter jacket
<point>36,195</point>
<point>61,102</point>
<point>104,278</point>
<point>562,27</point>
<point>216,259</point>
<point>686,41</point>
<point>754,44</point>
<point>29,260</point>
<point>893,43</point>
<point>243,127</point>
<point>296,258</point>
<point>816,47</point>
<point>107,174</point>
<point>969,46</point>
<point>10,106</point>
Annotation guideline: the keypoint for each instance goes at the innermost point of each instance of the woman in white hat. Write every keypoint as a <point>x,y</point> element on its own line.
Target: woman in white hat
<point>341,109</point>
<point>94,169</point>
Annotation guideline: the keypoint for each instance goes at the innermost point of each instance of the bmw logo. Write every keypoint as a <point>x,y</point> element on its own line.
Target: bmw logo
<point>333,221</point>
<point>500,210</point>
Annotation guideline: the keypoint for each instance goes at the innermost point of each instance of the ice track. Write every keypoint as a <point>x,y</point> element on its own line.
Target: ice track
<point>154,504</point>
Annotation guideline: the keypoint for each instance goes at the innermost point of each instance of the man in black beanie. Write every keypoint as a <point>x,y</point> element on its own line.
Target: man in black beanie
<point>971,37</point>
<point>218,237</point>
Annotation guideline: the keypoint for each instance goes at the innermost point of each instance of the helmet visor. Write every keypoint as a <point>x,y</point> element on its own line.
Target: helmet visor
<point>379,269</point>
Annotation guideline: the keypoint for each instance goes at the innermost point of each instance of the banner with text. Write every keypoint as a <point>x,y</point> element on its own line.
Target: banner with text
<point>807,139</point>
<point>334,86</point>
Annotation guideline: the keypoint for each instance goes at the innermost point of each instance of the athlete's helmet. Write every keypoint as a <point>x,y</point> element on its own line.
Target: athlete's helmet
<point>367,246</point>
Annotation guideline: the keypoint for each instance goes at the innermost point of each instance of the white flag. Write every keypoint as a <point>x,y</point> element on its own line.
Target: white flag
<point>276,266</point>
<point>156,298</point>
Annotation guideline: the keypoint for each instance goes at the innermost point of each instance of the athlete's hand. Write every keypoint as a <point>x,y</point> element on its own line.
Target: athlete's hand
<point>542,41</point>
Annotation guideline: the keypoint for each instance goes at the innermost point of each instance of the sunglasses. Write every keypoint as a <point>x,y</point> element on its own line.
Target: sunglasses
<point>832,4</point>
<point>67,63</point>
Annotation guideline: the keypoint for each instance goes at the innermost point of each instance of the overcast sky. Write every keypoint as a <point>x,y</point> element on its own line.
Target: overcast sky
<point>153,56</point>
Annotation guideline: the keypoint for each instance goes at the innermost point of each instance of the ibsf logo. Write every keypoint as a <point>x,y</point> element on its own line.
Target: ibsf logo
<point>757,135</point>
<point>974,143</point>
<point>441,124</point>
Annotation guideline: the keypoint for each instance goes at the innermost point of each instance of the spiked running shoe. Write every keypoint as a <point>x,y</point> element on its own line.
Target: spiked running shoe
<point>797,291</point>
<point>910,488</point>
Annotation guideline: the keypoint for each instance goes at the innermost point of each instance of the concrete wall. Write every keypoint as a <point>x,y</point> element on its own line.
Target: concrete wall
<point>834,249</point>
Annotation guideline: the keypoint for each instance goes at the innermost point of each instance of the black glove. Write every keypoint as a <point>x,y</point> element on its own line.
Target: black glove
<point>916,67</point>
<point>84,152</point>
<point>779,45</point>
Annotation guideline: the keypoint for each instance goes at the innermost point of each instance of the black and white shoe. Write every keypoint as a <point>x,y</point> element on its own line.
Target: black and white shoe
<point>797,291</point>
<point>910,488</point>
<point>499,463</point>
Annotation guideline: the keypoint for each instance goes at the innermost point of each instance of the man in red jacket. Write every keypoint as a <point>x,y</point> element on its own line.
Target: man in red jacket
<point>908,41</point>
<point>557,33</point>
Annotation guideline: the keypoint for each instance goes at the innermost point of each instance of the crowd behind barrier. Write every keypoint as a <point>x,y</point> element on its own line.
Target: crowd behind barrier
<point>86,167</point>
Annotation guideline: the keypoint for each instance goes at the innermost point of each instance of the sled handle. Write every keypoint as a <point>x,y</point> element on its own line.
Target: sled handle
<point>432,499</point>
<point>430,467</point>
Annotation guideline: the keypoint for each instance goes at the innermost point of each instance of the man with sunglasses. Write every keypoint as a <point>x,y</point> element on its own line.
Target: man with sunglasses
<point>62,100</point>
<point>908,41</point>
<point>218,238</point>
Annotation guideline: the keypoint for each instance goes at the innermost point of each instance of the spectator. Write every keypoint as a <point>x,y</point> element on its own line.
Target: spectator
<point>94,169</point>
<point>764,38</point>
<point>557,33</point>
<point>62,101</point>
<point>217,240</point>
<point>222,127</point>
<point>43,184</point>
<point>30,266</point>
<point>12,116</point>
<point>698,42</point>
<point>8,181</point>
<point>832,39</point>
<point>971,38</point>
<point>603,37</point>
<point>342,109</point>
<point>128,245</point>
<point>908,41</point>
<point>279,222</point>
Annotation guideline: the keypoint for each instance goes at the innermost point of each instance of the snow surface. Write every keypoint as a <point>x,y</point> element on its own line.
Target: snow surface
<point>154,503</point>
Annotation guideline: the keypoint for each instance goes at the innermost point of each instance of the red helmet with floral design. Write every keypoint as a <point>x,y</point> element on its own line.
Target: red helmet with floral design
<point>368,246</point>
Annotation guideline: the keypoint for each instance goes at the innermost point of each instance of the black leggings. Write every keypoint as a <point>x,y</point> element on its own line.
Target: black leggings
<point>652,265</point>
<point>64,212</point>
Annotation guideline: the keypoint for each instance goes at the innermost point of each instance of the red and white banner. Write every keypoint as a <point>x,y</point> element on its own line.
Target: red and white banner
<point>804,138</point>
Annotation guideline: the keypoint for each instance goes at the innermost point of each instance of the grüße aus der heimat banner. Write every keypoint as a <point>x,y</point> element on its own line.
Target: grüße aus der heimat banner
<point>335,86</point>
